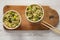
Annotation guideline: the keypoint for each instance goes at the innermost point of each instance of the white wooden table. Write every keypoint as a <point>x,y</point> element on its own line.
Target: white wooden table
<point>28,35</point>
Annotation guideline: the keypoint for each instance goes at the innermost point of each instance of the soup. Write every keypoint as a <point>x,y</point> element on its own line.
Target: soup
<point>34,13</point>
<point>11,19</point>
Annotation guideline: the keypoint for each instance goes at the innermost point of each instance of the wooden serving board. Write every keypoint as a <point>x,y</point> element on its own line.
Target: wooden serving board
<point>50,16</point>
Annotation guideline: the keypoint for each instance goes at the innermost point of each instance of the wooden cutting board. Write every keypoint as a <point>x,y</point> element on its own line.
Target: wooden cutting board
<point>50,16</point>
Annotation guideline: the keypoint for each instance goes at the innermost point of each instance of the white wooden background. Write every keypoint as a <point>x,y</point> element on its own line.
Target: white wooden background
<point>29,35</point>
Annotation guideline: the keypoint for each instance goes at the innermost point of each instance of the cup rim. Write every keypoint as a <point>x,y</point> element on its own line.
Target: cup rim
<point>19,22</point>
<point>41,17</point>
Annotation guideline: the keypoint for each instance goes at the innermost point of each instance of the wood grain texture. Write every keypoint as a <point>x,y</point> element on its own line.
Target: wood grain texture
<point>50,16</point>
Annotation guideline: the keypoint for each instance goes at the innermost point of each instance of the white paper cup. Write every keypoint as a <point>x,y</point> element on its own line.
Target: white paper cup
<point>39,19</point>
<point>17,25</point>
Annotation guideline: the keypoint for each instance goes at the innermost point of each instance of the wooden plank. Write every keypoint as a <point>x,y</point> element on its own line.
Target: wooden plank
<point>50,16</point>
